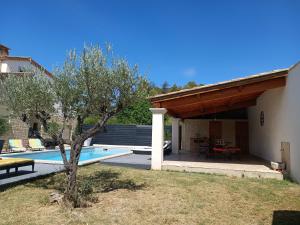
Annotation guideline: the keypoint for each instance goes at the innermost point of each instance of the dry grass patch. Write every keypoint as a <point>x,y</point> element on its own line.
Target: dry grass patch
<point>131,196</point>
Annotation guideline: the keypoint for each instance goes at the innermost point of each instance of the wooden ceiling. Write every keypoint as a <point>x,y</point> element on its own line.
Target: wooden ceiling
<point>221,97</point>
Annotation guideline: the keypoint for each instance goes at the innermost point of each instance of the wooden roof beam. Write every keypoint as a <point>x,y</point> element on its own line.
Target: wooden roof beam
<point>201,112</point>
<point>217,102</point>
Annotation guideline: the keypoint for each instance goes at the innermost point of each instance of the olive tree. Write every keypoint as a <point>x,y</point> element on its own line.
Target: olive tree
<point>92,83</point>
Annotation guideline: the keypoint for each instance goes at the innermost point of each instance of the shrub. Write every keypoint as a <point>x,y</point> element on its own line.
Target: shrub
<point>53,127</point>
<point>3,126</point>
<point>91,120</point>
<point>86,188</point>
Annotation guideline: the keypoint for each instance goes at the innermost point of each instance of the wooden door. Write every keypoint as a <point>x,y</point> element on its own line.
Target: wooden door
<point>242,136</point>
<point>215,131</point>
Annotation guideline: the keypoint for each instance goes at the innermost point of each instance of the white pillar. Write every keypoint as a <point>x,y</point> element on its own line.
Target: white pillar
<point>157,137</point>
<point>175,135</point>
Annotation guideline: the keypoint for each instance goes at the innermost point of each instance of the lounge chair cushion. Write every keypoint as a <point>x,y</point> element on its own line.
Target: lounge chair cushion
<point>13,161</point>
<point>15,143</point>
<point>36,143</point>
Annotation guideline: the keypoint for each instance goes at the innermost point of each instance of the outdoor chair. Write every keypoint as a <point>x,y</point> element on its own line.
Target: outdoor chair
<point>87,142</point>
<point>16,145</point>
<point>220,143</point>
<point>35,144</point>
<point>167,147</point>
<point>204,145</point>
<point>221,148</point>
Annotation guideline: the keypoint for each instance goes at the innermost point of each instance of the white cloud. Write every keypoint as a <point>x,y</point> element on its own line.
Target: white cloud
<point>190,72</point>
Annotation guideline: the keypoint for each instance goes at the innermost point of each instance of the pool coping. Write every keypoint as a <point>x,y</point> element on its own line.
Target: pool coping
<point>85,162</point>
<point>134,148</point>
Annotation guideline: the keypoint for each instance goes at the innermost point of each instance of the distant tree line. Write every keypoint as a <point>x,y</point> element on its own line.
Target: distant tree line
<point>166,87</point>
<point>139,112</point>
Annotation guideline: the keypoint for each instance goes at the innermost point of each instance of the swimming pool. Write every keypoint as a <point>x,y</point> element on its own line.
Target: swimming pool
<point>88,155</point>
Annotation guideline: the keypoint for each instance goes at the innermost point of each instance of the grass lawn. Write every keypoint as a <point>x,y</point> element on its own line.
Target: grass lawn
<point>131,196</point>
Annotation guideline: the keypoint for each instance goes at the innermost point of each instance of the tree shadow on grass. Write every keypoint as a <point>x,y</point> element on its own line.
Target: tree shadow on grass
<point>286,217</point>
<point>107,180</point>
<point>14,174</point>
<point>99,181</point>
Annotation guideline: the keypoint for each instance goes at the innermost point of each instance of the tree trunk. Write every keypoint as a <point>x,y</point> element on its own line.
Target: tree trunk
<point>71,191</point>
<point>71,196</point>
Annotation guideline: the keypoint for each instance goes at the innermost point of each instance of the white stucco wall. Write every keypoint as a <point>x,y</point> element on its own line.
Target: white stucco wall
<point>3,67</point>
<point>195,128</point>
<point>281,108</point>
<point>14,65</point>
<point>264,141</point>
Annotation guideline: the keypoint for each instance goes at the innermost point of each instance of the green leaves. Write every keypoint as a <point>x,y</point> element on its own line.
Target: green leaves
<point>137,113</point>
<point>4,127</point>
<point>29,94</point>
<point>95,83</point>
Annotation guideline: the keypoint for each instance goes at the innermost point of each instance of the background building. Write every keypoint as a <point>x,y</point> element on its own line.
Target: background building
<point>19,65</point>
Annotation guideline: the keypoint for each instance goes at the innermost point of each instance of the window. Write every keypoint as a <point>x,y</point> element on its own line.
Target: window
<point>21,69</point>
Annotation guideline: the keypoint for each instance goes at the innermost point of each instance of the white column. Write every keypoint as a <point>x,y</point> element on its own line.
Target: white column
<point>175,135</point>
<point>157,137</point>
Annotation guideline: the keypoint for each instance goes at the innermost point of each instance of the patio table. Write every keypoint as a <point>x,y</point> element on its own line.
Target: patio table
<point>229,151</point>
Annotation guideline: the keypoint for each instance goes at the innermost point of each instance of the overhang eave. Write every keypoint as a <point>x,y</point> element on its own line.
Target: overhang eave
<point>219,99</point>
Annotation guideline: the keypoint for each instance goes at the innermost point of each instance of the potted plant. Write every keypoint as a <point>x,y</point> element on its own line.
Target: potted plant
<point>3,129</point>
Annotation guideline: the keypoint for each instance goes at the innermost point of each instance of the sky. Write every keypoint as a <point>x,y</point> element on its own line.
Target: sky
<point>174,41</point>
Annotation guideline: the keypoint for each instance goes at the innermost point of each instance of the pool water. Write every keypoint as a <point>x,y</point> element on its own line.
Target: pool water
<point>87,154</point>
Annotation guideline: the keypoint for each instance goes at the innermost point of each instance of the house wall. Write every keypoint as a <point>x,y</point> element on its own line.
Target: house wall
<point>3,67</point>
<point>264,141</point>
<point>195,128</point>
<point>14,65</point>
<point>281,109</point>
<point>17,128</point>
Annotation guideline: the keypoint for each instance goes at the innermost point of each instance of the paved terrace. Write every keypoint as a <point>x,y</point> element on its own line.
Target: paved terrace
<point>25,173</point>
<point>133,160</point>
<point>247,167</point>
